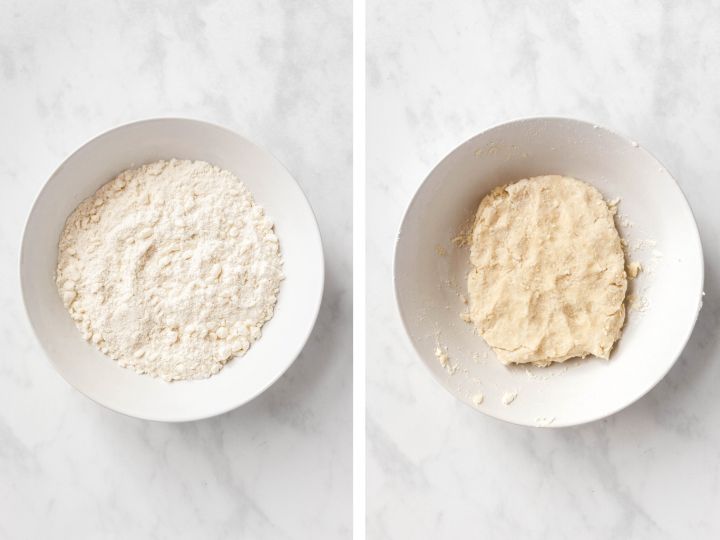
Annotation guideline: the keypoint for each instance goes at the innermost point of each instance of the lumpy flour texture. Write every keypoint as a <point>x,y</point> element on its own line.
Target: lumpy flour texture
<point>548,280</point>
<point>170,269</point>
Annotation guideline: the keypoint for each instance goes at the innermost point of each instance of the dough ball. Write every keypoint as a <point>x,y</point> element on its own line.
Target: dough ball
<point>548,280</point>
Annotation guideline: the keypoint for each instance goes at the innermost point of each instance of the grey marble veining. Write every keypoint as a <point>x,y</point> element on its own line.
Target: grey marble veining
<point>440,72</point>
<point>278,72</point>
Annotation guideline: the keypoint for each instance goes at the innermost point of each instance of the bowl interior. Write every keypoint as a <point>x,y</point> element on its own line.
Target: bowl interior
<point>97,376</point>
<point>653,216</point>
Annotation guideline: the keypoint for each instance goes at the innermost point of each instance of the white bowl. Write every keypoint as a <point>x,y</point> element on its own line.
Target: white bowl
<point>243,378</point>
<point>652,208</point>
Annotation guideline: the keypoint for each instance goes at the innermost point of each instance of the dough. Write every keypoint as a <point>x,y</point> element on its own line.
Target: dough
<point>170,269</point>
<point>548,279</point>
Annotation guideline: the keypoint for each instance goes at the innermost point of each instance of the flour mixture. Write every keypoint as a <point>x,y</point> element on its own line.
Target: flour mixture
<point>548,280</point>
<point>170,269</point>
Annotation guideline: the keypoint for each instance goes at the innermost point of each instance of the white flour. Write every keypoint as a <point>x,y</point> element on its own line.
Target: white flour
<point>170,269</point>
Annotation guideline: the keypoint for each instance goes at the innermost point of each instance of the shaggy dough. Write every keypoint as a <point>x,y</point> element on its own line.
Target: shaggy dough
<point>549,279</point>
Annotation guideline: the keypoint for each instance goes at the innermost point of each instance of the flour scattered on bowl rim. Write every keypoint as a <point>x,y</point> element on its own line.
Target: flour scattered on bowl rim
<point>170,269</point>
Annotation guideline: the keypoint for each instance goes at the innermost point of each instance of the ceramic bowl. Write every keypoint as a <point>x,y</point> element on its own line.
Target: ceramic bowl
<point>243,378</point>
<point>653,216</point>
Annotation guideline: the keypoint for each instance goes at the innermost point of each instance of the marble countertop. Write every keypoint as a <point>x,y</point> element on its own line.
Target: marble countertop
<point>438,75</point>
<point>279,467</point>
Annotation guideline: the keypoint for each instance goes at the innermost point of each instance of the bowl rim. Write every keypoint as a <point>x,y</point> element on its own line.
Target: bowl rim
<point>403,316</point>
<point>226,408</point>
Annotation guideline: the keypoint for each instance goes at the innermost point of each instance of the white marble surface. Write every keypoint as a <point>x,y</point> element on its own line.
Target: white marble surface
<point>437,75</point>
<point>278,72</point>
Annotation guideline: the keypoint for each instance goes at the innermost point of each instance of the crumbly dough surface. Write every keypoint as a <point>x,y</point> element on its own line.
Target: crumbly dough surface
<point>548,280</point>
<point>170,269</point>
